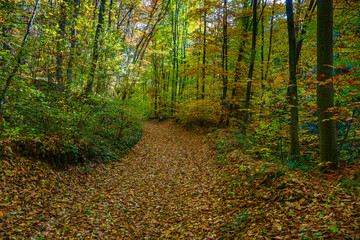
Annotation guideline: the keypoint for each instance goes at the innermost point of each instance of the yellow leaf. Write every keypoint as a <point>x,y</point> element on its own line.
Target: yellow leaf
<point>297,206</point>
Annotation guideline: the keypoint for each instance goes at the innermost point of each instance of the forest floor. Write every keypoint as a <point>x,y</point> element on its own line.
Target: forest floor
<point>171,186</point>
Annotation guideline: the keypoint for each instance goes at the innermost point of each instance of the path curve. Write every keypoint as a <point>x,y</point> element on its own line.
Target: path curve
<point>165,188</point>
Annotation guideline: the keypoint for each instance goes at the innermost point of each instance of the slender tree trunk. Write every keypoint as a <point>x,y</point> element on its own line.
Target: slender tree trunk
<point>270,40</point>
<point>177,27</point>
<point>307,19</point>
<point>204,58</point>
<point>246,27</point>
<point>293,96</point>
<point>184,62</point>
<point>174,75</point>
<point>225,53</point>
<point>164,82</point>
<point>224,63</point>
<point>185,78</point>
<point>325,88</point>
<point>156,81</point>
<point>251,68</point>
<point>95,54</point>
<point>18,59</point>
<point>237,68</point>
<point>61,46</point>
<point>73,41</point>
<point>110,12</point>
<point>262,53</point>
<point>234,104</point>
<point>198,77</point>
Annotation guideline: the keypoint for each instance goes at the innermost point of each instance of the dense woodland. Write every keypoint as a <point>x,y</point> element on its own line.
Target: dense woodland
<point>278,81</point>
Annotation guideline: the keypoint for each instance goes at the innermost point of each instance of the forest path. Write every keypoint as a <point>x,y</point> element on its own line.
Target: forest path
<point>165,188</point>
<point>168,185</point>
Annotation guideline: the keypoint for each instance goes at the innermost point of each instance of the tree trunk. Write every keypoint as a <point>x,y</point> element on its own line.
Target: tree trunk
<point>234,104</point>
<point>184,62</point>
<point>262,52</point>
<point>293,96</point>
<point>198,77</point>
<point>110,12</point>
<point>307,19</point>
<point>95,54</point>
<point>325,88</point>
<point>61,46</point>
<point>156,81</point>
<point>178,53</point>
<point>73,41</point>
<point>225,54</point>
<point>237,69</point>
<point>270,39</point>
<point>224,63</point>
<point>174,24</point>
<point>252,64</point>
<point>18,59</point>
<point>204,57</point>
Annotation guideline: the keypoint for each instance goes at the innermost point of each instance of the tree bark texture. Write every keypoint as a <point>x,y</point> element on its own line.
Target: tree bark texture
<point>252,65</point>
<point>293,95</point>
<point>325,89</point>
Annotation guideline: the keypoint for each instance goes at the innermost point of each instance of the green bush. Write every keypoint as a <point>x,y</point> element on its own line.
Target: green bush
<point>58,126</point>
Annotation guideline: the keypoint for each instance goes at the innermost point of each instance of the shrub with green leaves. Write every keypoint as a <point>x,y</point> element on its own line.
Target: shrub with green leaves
<point>56,125</point>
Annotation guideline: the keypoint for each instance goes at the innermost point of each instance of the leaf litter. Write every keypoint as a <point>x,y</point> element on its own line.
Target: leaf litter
<point>171,186</point>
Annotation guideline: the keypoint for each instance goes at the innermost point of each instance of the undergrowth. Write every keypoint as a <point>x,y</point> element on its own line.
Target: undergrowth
<point>65,129</point>
<point>271,147</point>
<point>275,199</point>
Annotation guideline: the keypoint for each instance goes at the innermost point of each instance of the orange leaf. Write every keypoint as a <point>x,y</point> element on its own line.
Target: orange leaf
<point>326,81</point>
<point>320,76</point>
<point>350,81</point>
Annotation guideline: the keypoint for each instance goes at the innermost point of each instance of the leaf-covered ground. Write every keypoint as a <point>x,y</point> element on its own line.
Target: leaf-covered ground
<point>171,186</point>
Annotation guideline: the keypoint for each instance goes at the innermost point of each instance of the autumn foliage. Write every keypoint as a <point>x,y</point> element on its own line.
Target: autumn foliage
<point>243,117</point>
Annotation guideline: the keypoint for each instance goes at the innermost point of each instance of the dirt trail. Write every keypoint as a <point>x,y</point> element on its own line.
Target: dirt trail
<point>170,178</point>
<point>165,188</point>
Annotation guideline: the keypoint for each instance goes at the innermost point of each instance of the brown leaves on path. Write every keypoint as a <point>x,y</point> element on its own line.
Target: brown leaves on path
<point>170,186</point>
<point>171,176</point>
<point>164,188</point>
